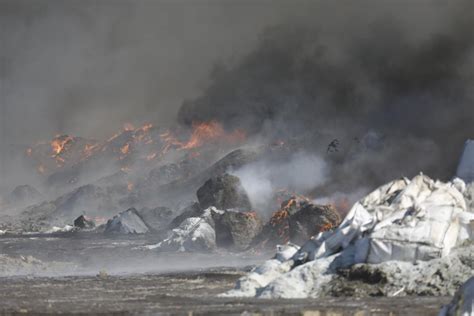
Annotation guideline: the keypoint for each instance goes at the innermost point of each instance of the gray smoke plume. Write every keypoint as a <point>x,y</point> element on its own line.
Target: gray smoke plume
<point>408,76</point>
<point>279,69</point>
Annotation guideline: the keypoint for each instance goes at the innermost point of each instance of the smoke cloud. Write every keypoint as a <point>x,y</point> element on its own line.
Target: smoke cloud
<point>348,71</point>
<point>300,173</point>
<point>278,69</point>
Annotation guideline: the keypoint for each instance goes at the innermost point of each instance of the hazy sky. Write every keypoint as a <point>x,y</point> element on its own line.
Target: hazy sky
<point>86,67</point>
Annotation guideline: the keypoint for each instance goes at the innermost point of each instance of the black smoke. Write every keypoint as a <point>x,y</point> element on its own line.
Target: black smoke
<point>408,79</point>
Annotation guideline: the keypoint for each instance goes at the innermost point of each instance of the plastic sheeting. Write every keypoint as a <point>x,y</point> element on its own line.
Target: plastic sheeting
<point>403,220</point>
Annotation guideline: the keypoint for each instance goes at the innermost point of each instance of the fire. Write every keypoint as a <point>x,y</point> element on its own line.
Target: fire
<point>66,150</point>
<point>170,140</point>
<point>151,156</point>
<point>89,149</point>
<point>142,134</point>
<point>125,149</point>
<point>251,214</point>
<point>59,143</point>
<point>130,186</point>
<point>202,133</point>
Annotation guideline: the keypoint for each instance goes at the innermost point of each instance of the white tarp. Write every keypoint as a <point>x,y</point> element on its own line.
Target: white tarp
<point>466,164</point>
<point>193,234</point>
<point>404,220</point>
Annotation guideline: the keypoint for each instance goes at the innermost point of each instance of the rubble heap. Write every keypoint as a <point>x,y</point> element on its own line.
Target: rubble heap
<point>223,192</point>
<point>296,221</point>
<point>403,226</point>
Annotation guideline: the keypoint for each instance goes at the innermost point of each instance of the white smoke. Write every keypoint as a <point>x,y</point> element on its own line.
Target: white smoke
<point>301,173</point>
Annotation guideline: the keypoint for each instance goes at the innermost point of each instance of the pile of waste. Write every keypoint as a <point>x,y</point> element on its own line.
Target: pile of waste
<point>408,237</point>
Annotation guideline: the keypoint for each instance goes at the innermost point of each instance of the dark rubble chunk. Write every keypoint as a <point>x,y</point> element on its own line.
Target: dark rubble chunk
<point>236,230</point>
<point>224,192</point>
<point>193,210</point>
<point>83,223</point>
<point>127,222</point>
<point>310,220</point>
<point>157,218</point>
<point>296,221</point>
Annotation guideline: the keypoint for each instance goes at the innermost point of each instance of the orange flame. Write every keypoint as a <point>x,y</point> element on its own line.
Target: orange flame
<point>89,149</point>
<point>125,149</point>
<point>202,133</point>
<point>151,156</point>
<point>59,143</point>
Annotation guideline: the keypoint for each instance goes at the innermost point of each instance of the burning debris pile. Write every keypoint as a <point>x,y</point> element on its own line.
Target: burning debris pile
<point>68,161</point>
<point>408,237</point>
<point>296,221</point>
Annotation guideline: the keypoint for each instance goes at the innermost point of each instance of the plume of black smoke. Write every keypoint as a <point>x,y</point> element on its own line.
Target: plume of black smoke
<point>413,86</point>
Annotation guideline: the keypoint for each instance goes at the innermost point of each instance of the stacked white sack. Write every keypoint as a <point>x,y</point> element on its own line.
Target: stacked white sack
<point>403,220</point>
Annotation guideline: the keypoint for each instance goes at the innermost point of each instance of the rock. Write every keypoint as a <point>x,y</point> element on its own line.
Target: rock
<point>194,234</point>
<point>311,220</point>
<point>83,223</point>
<point>158,218</point>
<point>127,222</point>
<point>193,210</point>
<point>236,230</point>
<point>462,303</point>
<point>223,192</point>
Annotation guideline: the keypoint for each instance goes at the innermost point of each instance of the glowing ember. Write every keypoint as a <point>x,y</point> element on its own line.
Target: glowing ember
<point>90,149</point>
<point>59,143</point>
<point>151,156</point>
<point>125,149</point>
<point>202,133</point>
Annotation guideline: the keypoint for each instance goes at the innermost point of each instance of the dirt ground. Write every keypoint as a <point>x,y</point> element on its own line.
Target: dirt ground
<point>135,281</point>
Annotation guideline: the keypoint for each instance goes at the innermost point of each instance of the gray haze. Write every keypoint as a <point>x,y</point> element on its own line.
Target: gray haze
<point>403,69</point>
<point>395,79</point>
<point>87,67</point>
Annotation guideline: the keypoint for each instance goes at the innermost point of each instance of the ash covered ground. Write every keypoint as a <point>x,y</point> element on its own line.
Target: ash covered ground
<point>169,158</point>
